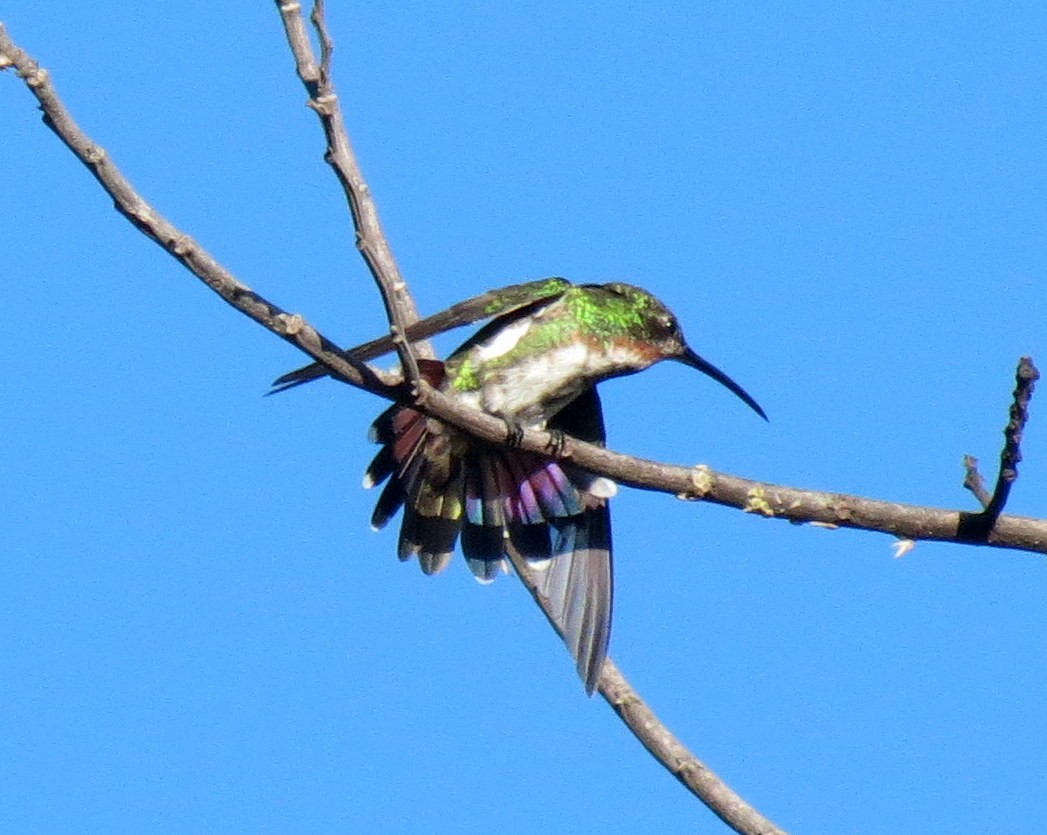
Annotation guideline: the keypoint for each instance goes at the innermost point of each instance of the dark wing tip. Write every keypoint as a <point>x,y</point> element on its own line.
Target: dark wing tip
<point>299,376</point>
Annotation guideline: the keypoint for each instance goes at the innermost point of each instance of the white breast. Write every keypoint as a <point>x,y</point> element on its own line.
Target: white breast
<point>533,391</point>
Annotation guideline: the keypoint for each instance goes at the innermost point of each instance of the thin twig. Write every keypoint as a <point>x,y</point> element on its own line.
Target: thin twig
<point>659,741</point>
<point>319,22</point>
<point>973,481</point>
<point>978,527</point>
<point>1025,381</point>
<point>370,240</point>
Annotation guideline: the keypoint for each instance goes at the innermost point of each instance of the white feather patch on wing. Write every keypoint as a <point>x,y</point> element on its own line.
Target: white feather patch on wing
<point>504,342</point>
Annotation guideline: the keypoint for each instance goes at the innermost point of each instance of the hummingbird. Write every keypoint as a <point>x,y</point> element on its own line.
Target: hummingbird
<point>536,365</point>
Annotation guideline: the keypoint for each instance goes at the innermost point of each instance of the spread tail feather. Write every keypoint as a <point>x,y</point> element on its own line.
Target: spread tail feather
<point>553,515</point>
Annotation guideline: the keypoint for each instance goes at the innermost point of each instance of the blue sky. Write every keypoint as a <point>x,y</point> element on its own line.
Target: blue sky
<point>844,206</point>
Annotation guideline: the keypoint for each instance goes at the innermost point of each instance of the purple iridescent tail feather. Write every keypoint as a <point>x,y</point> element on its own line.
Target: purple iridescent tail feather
<point>453,487</point>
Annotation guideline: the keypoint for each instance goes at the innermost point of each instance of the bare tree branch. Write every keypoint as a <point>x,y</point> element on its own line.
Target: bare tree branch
<point>835,509</point>
<point>371,242</point>
<point>659,741</point>
<point>290,327</point>
<point>764,499</point>
<point>370,239</point>
<point>697,483</point>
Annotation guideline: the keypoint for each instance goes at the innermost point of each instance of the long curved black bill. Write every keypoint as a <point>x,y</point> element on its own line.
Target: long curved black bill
<point>689,357</point>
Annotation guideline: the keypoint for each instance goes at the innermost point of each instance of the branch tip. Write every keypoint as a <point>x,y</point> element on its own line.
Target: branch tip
<point>1026,376</point>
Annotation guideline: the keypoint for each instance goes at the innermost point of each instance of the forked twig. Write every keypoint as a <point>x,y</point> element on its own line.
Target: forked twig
<point>370,240</point>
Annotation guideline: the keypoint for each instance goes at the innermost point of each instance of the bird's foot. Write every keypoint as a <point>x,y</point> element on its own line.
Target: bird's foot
<point>557,442</point>
<point>514,433</point>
